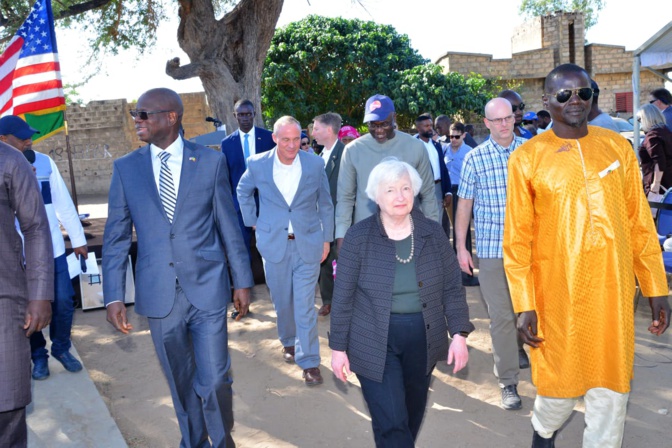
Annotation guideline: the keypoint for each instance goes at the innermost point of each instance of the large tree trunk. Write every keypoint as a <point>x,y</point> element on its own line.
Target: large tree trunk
<point>228,54</point>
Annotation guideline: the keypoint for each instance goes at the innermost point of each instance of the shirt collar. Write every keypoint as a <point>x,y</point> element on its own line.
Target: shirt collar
<point>175,149</point>
<point>251,134</point>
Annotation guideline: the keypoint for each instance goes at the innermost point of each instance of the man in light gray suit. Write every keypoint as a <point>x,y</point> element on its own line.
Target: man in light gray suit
<point>26,288</point>
<point>185,237</point>
<point>293,231</point>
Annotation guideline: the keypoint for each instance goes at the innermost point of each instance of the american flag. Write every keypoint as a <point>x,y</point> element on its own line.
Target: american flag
<point>30,77</point>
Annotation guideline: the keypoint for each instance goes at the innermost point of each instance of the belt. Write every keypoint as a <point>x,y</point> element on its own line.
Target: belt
<point>290,236</point>
<point>437,181</point>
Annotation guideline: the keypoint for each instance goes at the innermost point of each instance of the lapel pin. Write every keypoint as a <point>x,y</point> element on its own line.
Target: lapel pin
<point>192,159</point>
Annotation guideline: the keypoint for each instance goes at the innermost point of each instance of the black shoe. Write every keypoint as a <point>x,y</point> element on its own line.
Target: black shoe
<point>523,360</point>
<point>540,442</point>
<point>510,398</point>
<point>69,362</point>
<point>40,368</point>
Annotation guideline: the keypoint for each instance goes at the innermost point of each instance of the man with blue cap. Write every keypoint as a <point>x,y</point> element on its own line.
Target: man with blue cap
<point>363,154</point>
<point>60,210</point>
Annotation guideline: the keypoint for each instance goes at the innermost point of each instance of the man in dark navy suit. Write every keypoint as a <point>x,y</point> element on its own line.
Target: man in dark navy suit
<point>247,141</point>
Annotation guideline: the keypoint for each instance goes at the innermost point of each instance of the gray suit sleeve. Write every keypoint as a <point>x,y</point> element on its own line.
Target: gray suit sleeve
<point>116,241</point>
<point>229,230</point>
<point>246,202</point>
<point>346,194</point>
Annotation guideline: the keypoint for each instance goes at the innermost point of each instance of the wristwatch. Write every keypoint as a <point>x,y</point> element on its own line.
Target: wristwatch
<point>464,334</point>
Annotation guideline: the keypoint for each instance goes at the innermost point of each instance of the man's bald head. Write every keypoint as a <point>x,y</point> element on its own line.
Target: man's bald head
<point>499,119</point>
<point>168,99</point>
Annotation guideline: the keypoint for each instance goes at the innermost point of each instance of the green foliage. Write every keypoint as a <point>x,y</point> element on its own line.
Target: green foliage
<point>426,88</point>
<point>320,64</point>
<point>590,8</point>
<point>109,25</point>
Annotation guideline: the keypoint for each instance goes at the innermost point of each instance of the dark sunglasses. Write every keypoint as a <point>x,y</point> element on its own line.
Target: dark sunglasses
<point>564,95</point>
<point>144,115</point>
<point>653,101</point>
<point>455,136</point>
<point>305,143</point>
<point>521,106</point>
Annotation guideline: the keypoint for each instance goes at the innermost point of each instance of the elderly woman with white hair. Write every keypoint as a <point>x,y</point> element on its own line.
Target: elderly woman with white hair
<point>655,154</point>
<point>398,292</point>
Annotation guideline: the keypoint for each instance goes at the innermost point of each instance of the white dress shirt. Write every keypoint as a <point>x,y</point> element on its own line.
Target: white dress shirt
<point>326,153</point>
<point>176,150</point>
<point>433,158</point>
<point>286,178</point>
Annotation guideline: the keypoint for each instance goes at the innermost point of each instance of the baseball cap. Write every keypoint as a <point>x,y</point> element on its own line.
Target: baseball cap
<point>530,116</point>
<point>378,108</point>
<point>13,125</point>
<point>348,131</point>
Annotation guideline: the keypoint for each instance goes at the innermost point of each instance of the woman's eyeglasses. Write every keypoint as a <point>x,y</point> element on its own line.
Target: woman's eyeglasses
<point>564,95</point>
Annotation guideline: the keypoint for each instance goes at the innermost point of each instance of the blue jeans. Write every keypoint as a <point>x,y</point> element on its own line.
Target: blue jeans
<point>62,310</point>
<point>397,404</point>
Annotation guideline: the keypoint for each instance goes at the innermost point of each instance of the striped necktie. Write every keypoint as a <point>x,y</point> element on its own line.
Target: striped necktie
<point>166,186</point>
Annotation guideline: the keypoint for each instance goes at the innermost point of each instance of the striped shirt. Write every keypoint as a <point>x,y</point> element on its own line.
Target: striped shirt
<point>483,179</point>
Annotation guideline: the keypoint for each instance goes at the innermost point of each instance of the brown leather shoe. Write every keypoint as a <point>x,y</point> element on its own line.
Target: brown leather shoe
<point>312,376</point>
<point>325,310</point>
<point>288,354</point>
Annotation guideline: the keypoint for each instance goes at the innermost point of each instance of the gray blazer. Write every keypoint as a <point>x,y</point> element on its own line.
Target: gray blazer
<point>196,249</point>
<point>311,211</point>
<point>360,311</point>
<point>20,199</point>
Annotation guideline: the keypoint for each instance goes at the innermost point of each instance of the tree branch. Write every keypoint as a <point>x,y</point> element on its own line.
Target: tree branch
<point>80,8</point>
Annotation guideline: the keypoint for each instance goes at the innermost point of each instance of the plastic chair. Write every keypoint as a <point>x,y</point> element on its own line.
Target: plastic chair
<point>664,218</point>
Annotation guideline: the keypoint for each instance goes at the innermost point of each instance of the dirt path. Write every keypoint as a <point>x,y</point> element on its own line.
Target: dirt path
<point>274,409</point>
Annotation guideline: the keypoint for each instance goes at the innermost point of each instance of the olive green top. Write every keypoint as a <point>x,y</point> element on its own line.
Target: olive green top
<point>405,292</point>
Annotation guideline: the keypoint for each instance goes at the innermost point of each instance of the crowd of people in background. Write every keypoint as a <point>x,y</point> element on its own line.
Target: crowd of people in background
<point>561,223</point>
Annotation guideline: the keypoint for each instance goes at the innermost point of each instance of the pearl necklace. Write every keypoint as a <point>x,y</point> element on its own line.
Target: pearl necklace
<point>410,257</point>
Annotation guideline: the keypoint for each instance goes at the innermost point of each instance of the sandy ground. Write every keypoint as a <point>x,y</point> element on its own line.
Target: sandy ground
<point>273,408</point>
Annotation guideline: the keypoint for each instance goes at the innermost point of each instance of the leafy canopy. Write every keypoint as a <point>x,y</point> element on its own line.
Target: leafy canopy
<point>324,64</point>
<point>589,8</point>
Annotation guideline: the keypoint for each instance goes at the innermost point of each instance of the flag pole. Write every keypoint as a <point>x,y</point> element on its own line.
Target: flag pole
<point>72,172</point>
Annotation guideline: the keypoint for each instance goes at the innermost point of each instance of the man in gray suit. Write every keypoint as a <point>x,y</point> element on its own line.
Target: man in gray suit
<point>325,132</point>
<point>26,288</point>
<point>293,231</point>
<point>185,237</point>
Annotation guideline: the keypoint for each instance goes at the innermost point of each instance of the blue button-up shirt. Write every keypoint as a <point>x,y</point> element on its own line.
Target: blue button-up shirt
<point>483,179</point>
<point>454,160</point>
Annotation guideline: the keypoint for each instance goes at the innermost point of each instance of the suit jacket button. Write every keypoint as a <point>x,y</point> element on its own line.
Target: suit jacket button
<point>424,305</point>
<point>172,236</point>
<point>170,264</point>
<point>290,210</point>
<point>419,284</point>
<point>428,326</point>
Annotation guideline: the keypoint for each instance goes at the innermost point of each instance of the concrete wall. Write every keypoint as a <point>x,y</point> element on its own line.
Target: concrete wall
<point>103,131</point>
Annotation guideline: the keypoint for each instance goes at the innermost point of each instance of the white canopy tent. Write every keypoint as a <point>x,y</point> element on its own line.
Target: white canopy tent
<point>655,55</point>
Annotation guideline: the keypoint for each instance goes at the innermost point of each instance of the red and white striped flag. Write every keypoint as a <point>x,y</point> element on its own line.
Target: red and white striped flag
<point>30,76</point>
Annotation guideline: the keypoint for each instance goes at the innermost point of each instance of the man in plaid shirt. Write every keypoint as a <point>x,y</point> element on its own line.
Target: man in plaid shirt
<point>483,188</point>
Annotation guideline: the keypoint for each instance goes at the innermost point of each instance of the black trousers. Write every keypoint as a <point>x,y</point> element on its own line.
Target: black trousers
<point>397,404</point>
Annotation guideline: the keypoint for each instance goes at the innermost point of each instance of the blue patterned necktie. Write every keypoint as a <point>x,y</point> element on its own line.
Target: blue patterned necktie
<point>246,147</point>
<point>167,187</point>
